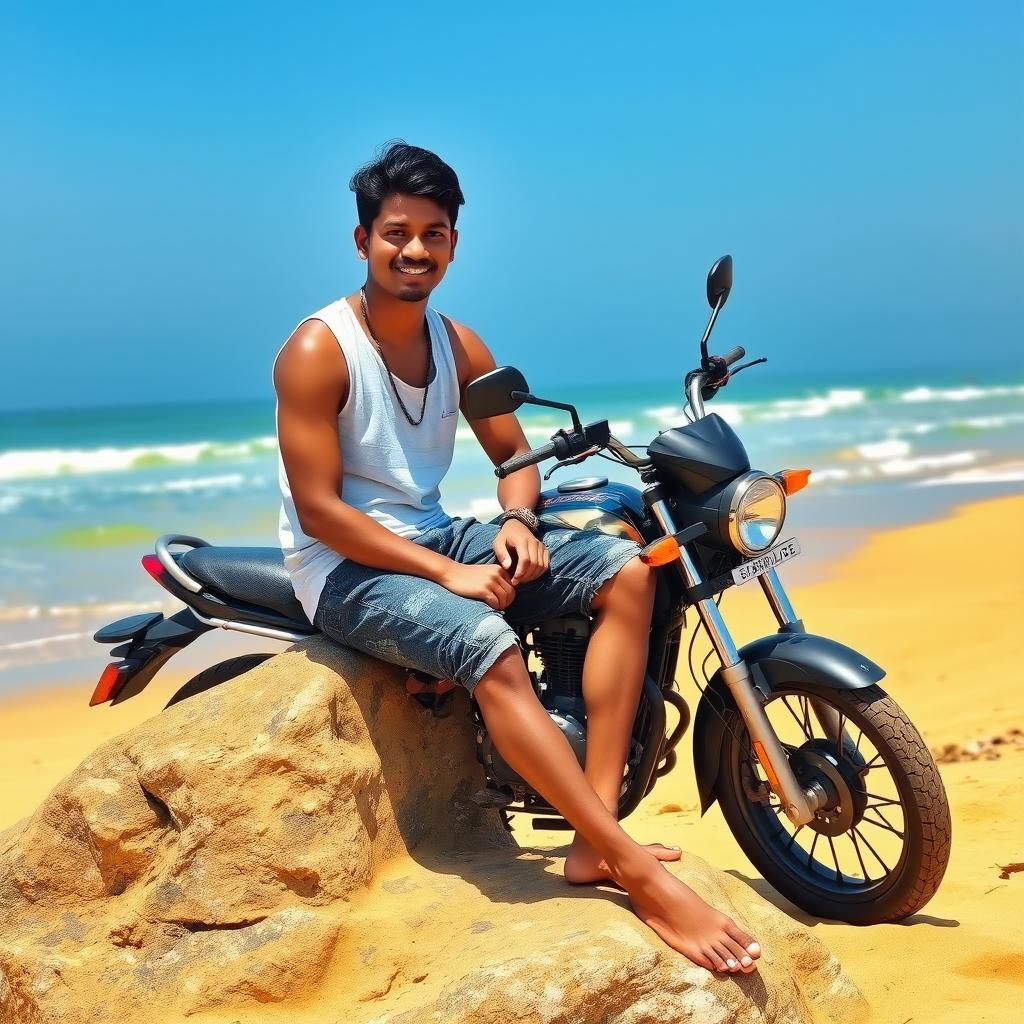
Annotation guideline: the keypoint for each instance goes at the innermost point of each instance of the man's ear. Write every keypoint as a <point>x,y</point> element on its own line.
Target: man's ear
<point>455,241</point>
<point>362,240</point>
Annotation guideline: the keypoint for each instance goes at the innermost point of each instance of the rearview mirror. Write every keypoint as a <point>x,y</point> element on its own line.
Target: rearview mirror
<point>720,282</point>
<point>491,394</point>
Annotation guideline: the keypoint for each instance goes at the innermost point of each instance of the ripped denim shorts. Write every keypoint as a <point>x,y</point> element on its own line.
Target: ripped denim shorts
<point>418,624</point>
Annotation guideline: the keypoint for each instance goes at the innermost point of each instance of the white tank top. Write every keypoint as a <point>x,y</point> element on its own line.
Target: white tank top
<point>392,470</point>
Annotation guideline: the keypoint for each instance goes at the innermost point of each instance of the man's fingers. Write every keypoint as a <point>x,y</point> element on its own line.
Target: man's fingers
<point>526,568</point>
<point>505,591</point>
<point>533,562</point>
<point>501,550</point>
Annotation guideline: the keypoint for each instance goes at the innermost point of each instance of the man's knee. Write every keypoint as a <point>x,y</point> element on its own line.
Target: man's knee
<point>633,583</point>
<point>507,674</point>
<point>475,645</point>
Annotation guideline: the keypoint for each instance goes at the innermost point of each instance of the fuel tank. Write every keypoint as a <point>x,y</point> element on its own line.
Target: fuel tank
<point>592,503</point>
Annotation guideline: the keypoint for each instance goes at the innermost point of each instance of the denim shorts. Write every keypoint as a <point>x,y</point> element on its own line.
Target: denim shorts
<point>418,624</point>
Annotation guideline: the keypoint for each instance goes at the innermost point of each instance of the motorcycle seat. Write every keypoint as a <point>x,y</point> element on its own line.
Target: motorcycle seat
<point>253,575</point>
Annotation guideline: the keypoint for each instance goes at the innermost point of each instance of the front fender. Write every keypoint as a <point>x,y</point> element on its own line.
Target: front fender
<point>817,663</point>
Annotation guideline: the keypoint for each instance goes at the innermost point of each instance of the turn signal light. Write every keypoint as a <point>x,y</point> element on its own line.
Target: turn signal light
<point>793,480</point>
<point>660,551</point>
<point>108,684</point>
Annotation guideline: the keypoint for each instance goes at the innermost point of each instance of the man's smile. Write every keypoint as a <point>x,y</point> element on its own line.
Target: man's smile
<point>414,271</point>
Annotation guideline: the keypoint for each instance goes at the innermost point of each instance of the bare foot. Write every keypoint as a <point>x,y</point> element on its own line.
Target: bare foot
<point>583,864</point>
<point>686,923</point>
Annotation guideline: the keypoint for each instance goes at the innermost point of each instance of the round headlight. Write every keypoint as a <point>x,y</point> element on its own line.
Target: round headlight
<point>756,514</point>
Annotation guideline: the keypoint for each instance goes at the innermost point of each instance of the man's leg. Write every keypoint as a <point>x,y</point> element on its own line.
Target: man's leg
<point>613,676</point>
<point>532,744</point>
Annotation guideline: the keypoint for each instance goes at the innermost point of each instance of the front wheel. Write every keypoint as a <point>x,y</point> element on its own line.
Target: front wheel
<point>878,848</point>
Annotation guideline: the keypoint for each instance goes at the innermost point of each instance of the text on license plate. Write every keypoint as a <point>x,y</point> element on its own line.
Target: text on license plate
<point>760,565</point>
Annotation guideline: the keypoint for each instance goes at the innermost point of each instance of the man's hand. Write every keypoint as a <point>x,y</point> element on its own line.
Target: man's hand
<point>488,583</point>
<point>515,540</point>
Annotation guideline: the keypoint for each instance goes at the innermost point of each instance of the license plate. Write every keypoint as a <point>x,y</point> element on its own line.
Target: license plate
<point>759,566</point>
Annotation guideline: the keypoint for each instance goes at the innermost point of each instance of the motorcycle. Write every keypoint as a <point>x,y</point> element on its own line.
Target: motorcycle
<point>824,781</point>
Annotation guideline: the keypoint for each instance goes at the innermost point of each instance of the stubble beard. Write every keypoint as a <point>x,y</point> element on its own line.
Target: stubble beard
<point>412,293</point>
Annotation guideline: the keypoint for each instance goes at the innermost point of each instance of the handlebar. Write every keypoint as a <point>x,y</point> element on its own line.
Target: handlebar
<point>713,377</point>
<point>577,445</point>
<point>529,458</point>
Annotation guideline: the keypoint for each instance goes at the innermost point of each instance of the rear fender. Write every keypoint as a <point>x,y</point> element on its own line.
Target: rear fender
<point>817,663</point>
<point>144,654</point>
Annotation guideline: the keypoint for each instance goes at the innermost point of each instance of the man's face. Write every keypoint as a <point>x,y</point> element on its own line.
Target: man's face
<point>409,246</point>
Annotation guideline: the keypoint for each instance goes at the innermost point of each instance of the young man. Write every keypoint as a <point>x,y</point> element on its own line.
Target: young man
<point>368,389</point>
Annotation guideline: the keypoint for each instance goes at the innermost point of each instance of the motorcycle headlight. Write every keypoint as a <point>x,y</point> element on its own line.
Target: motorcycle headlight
<point>756,513</point>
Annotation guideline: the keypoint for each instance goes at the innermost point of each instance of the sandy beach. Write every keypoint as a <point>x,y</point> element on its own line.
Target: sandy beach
<point>948,635</point>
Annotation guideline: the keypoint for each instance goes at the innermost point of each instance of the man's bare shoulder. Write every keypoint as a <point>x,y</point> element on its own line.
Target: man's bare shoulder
<point>311,364</point>
<point>472,357</point>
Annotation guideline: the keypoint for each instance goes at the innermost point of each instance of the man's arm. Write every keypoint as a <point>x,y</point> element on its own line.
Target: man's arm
<point>311,380</point>
<point>501,437</point>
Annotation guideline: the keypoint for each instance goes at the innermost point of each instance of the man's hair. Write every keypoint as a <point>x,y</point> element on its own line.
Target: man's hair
<point>407,170</point>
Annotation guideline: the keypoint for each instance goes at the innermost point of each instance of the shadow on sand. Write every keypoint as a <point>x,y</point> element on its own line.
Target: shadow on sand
<point>765,891</point>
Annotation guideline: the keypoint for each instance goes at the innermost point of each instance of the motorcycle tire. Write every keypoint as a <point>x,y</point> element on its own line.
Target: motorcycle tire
<point>217,674</point>
<point>770,840</point>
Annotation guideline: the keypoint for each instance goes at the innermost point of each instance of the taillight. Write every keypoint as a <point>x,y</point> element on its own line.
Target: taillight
<point>154,567</point>
<point>110,682</point>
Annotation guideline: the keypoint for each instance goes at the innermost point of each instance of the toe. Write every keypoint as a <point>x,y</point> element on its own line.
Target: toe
<point>731,962</point>
<point>745,939</point>
<point>717,961</point>
<point>735,950</point>
<point>663,852</point>
<point>702,961</point>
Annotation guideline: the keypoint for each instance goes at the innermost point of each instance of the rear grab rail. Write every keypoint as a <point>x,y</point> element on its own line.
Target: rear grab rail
<point>174,570</point>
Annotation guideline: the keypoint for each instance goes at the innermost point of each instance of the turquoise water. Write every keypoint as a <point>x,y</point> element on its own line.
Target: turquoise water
<point>84,492</point>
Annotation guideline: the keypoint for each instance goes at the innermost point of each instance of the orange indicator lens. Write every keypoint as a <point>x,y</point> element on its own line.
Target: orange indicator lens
<point>660,551</point>
<point>793,480</point>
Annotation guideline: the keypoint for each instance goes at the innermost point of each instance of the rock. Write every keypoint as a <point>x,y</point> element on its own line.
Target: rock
<point>307,829</point>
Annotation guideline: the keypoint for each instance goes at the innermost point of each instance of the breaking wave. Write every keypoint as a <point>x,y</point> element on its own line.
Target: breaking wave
<point>55,462</point>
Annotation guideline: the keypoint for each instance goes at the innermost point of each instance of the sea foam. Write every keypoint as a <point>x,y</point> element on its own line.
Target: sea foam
<point>53,462</point>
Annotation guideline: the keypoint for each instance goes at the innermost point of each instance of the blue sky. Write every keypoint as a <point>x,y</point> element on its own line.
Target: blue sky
<point>174,184</point>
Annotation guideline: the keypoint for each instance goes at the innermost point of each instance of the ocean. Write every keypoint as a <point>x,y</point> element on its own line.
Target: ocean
<point>84,492</point>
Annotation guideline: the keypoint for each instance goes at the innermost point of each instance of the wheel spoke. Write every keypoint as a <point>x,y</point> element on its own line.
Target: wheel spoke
<point>814,843</point>
<point>860,736</point>
<point>885,867</point>
<point>881,814</point>
<point>805,706</point>
<point>882,825</point>
<point>882,801</point>
<point>865,768</point>
<point>796,717</point>
<point>853,836</point>
<point>835,857</point>
<point>792,838</point>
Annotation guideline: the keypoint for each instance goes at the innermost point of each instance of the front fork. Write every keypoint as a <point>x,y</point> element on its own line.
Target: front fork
<point>800,803</point>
